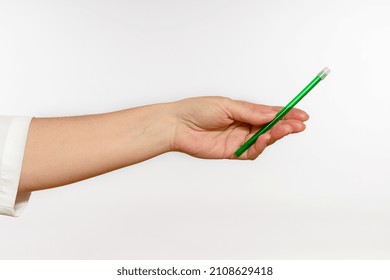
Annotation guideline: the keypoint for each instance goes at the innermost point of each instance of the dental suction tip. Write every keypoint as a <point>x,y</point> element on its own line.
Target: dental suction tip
<point>325,72</point>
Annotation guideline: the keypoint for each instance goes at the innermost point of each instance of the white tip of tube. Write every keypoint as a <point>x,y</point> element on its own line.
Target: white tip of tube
<point>324,73</point>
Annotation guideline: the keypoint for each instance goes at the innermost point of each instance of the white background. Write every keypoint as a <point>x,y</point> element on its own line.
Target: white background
<point>322,194</point>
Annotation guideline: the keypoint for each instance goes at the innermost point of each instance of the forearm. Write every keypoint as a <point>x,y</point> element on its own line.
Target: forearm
<point>61,151</point>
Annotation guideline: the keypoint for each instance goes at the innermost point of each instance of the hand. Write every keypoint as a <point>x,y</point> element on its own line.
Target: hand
<point>215,127</point>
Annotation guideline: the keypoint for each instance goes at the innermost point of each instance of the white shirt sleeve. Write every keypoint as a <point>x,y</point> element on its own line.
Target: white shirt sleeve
<point>13,136</point>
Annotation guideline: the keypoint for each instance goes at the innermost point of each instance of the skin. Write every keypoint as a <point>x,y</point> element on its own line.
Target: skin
<point>64,150</point>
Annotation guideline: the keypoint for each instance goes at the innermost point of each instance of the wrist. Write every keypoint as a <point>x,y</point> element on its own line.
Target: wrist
<point>156,127</point>
<point>165,123</point>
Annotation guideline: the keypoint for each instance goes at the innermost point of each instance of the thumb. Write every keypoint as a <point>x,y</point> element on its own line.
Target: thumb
<point>254,114</point>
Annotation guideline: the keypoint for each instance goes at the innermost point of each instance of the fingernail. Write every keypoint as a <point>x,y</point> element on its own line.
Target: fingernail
<point>305,116</point>
<point>270,114</point>
<point>290,129</point>
<point>287,128</point>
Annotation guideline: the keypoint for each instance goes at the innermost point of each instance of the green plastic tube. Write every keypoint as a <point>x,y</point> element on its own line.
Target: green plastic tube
<point>283,112</point>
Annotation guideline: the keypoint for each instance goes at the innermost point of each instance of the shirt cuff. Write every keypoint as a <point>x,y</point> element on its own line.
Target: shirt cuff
<point>13,137</point>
